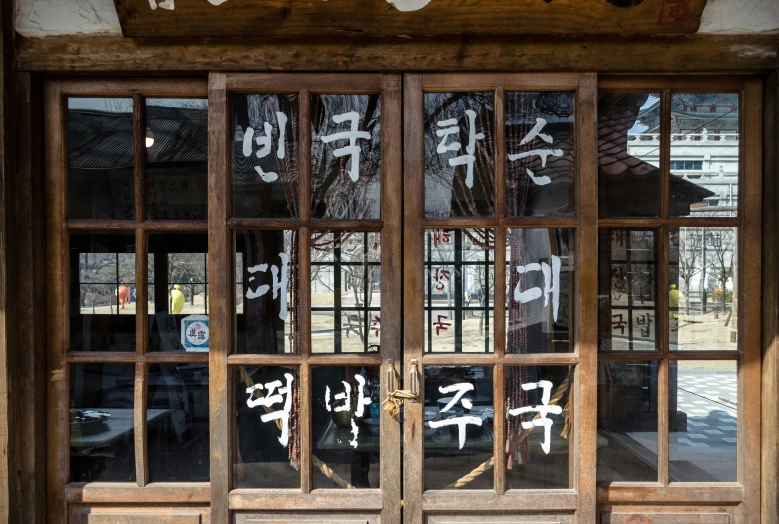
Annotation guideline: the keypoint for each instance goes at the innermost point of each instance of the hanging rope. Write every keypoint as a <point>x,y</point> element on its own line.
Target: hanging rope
<point>486,466</point>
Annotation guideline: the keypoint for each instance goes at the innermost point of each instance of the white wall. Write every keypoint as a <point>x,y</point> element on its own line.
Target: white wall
<point>57,17</point>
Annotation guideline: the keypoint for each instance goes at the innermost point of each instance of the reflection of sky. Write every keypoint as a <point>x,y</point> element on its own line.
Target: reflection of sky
<point>125,105</point>
<point>637,126</point>
<point>112,105</point>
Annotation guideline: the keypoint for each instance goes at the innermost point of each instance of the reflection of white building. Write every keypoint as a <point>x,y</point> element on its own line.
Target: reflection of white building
<point>704,146</point>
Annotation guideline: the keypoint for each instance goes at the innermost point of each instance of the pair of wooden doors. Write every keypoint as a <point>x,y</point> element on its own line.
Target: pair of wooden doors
<point>399,305</point>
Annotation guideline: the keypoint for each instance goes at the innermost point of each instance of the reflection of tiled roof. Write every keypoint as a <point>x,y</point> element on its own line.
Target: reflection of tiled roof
<point>104,140</point>
<point>623,173</point>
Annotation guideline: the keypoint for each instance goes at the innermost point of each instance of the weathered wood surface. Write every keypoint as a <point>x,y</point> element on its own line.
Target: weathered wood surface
<point>678,54</point>
<point>770,314</point>
<point>294,18</point>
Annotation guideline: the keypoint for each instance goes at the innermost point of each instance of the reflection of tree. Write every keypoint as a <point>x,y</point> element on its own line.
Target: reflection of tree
<point>188,270</point>
<point>100,274</point>
<point>446,192</point>
<point>333,193</point>
<point>686,242</point>
<point>720,251</point>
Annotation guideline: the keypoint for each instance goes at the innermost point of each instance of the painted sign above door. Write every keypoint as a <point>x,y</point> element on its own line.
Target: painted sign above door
<point>404,18</point>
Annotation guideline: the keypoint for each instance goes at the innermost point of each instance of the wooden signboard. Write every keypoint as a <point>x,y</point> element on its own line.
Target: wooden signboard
<point>405,18</point>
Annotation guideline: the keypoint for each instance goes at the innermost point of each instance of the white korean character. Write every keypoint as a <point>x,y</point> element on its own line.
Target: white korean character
<point>543,153</point>
<point>352,135</point>
<point>283,394</point>
<point>280,283</point>
<point>459,390</point>
<point>551,284</point>
<point>543,410</point>
<point>265,143</point>
<point>450,127</point>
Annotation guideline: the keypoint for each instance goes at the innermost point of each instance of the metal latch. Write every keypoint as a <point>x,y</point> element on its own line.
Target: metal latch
<point>395,397</point>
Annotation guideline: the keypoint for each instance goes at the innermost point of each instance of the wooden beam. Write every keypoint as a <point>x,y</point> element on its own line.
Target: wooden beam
<point>605,54</point>
<point>296,18</point>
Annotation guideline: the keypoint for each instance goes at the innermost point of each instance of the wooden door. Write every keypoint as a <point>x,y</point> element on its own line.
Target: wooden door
<point>337,212</point>
<point>575,352</point>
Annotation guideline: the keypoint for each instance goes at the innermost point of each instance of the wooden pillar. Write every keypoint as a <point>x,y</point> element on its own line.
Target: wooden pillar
<point>770,310</point>
<point>10,465</point>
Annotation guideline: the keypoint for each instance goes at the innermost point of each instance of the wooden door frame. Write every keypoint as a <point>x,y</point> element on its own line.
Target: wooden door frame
<point>56,59</point>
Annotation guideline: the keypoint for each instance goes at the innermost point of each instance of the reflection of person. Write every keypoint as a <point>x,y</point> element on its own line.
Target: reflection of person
<point>674,297</point>
<point>176,300</point>
<point>124,296</point>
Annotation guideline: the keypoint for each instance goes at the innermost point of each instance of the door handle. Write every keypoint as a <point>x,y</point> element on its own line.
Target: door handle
<point>395,397</point>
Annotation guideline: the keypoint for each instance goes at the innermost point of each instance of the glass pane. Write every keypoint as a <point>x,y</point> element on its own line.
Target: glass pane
<point>459,290</point>
<point>177,158</point>
<point>177,423</point>
<point>538,426</point>
<point>346,157</point>
<point>346,415</point>
<point>540,144</point>
<point>459,154</point>
<point>540,288</point>
<point>704,154</point>
<point>264,155</point>
<point>267,433</point>
<point>703,414</point>
<point>102,445</point>
<point>101,158</point>
<point>703,297</point>
<point>459,431</point>
<point>102,292</point>
<point>627,421</point>
<point>267,279</point>
<point>178,298</point>
<point>345,292</point>
<point>628,155</point>
<point>627,286</point>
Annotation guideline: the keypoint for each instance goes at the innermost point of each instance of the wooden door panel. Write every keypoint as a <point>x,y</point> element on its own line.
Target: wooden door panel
<point>135,515</point>
<point>304,518</point>
<point>502,519</point>
<point>674,515</point>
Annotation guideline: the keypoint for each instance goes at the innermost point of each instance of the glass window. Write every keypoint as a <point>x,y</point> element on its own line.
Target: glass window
<point>459,428</point>
<point>627,282</point>
<point>345,292</point>
<point>101,158</point>
<point>459,290</point>
<point>102,292</point>
<point>540,281</point>
<point>267,433</point>
<point>459,154</point>
<point>627,421</point>
<point>102,443</point>
<point>703,415</point>
<point>267,292</point>
<point>176,143</point>
<point>265,155</point>
<point>346,157</point>
<point>178,292</point>
<point>703,296</point>
<point>541,149</point>
<point>538,426</point>
<point>177,423</point>
<point>346,413</point>
<point>628,154</point>
<point>704,126</point>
